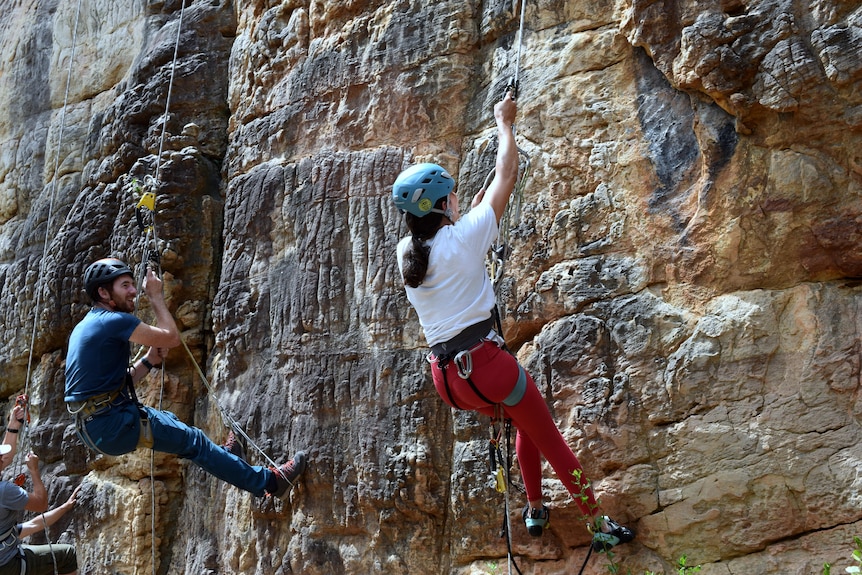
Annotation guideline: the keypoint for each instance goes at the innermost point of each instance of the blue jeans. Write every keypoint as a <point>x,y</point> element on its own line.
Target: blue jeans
<point>117,431</point>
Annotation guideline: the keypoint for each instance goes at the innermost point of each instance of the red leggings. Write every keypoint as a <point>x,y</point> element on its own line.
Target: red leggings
<point>495,373</point>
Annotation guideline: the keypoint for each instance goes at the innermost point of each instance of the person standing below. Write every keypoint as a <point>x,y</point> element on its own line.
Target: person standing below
<point>100,384</point>
<point>15,557</point>
<point>442,263</point>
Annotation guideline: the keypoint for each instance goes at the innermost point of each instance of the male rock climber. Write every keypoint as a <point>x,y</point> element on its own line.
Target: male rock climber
<point>15,558</point>
<point>100,384</point>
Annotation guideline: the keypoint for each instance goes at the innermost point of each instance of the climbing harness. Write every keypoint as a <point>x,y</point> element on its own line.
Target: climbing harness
<point>463,361</point>
<point>9,538</point>
<point>85,411</point>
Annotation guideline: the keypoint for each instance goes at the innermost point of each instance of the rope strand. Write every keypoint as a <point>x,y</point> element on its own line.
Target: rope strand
<point>152,236</point>
<point>520,40</point>
<point>38,305</point>
<point>37,312</point>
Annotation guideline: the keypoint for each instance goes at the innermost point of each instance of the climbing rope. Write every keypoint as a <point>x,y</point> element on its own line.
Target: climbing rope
<point>38,305</point>
<point>586,559</point>
<point>516,79</point>
<point>23,399</point>
<point>499,252</point>
<point>500,249</point>
<point>145,214</point>
<point>500,468</point>
<point>229,421</point>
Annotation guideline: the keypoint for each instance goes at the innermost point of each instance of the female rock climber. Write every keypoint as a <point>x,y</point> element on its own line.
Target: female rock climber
<point>442,263</point>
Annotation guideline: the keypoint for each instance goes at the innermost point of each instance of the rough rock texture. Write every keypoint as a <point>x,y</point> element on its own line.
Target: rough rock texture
<point>683,283</point>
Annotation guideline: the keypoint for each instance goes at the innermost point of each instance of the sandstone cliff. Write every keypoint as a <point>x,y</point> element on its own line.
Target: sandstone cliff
<point>683,284</point>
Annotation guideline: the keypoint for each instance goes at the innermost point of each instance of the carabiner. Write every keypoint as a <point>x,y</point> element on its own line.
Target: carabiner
<point>464,363</point>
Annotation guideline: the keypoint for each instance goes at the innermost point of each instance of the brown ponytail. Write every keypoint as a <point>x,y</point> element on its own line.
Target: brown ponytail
<point>416,255</point>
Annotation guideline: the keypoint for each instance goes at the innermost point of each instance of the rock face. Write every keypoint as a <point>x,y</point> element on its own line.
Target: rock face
<point>683,281</point>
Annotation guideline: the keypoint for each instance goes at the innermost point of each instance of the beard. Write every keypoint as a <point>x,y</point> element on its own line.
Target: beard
<point>120,304</point>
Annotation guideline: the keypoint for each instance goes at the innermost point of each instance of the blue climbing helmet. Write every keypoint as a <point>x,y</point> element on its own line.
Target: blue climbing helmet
<point>101,272</point>
<point>419,187</point>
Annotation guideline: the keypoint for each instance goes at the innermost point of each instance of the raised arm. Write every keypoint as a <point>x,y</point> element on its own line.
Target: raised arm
<point>16,420</point>
<point>37,500</point>
<point>165,333</point>
<point>506,171</point>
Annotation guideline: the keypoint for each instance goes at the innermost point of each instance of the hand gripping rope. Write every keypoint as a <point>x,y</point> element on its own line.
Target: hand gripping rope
<point>499,477</point>
<point>21,401</point>
<point>500,250</point>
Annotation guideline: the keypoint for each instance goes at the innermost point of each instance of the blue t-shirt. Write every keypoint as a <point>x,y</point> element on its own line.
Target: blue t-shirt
<point>13,499</point>
<point>99,352</point>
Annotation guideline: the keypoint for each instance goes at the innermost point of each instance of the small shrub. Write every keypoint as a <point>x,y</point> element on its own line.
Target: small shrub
<point>857,557</point>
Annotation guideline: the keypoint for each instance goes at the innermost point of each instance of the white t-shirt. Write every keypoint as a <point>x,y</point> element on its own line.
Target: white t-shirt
<point>456,292</point>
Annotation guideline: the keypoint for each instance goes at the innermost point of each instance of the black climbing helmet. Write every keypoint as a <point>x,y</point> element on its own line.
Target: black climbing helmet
<point>101,272</point>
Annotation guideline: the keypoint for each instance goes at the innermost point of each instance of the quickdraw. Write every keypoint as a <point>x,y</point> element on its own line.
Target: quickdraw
<point>146,209</point>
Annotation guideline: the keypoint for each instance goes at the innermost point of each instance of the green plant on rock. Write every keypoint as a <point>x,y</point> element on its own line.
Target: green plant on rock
<point>682,568</point>
<point>595,525</point>
<point>135,185</point>
<point>857,557</point>
<point>594,520</point>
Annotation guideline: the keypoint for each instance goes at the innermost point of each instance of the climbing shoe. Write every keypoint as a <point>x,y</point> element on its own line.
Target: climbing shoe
<point>536,519</point>
<point>286,474</point>
<point>233,445</point>
<point>611,534</point>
